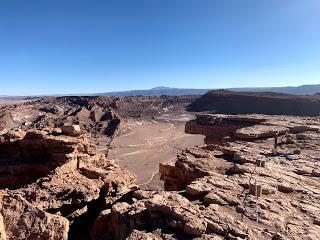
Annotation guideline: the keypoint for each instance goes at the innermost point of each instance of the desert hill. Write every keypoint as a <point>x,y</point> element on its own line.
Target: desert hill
<point>157,91</point>
<point>296,90</point>
<point>228,102</point>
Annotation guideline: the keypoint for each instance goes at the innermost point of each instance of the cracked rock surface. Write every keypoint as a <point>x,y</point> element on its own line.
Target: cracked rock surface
<point>208,193</point>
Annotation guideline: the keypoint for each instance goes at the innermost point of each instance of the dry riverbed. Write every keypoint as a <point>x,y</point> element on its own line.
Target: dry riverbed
<point>148,143</point>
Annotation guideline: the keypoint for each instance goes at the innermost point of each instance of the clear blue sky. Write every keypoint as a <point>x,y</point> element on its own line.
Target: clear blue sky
<point>81,46</point>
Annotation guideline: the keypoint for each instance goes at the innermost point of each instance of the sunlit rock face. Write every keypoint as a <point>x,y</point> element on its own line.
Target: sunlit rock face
<point>57,172</point>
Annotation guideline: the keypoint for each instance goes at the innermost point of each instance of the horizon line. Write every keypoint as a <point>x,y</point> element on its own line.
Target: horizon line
<point>154,88</point>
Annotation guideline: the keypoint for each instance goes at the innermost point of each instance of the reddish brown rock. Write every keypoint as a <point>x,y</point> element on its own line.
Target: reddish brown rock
<point>260,132</point>
<point>287,186</point>
<point>21,220</point>
<point>217,127</point>
<point>73,130</point>
<point>60,174</point>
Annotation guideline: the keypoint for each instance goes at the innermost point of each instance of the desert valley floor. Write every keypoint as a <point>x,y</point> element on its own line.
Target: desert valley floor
<point>148,143</point>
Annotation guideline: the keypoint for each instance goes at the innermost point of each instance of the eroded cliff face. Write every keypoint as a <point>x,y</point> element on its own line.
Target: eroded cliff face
<point>245,188</point>
<point>19,219</point>
<point>270,103</point>
<point>222,176</point>
<point>96,115</point>
<point>219,128</point>
<point>48,172</point>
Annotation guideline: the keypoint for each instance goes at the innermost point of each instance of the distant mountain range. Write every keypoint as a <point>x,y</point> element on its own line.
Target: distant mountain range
<point>300,90</point>
<point>157,91</point>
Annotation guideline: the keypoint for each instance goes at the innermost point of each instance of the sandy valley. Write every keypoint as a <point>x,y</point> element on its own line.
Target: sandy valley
<point>148,143</point>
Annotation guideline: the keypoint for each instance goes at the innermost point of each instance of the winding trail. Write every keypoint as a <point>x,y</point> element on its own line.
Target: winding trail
<point>150,180</point>
<point>153,174</point>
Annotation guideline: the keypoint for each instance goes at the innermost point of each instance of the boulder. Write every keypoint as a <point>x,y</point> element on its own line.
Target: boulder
<point>12,135</point>
<point>73,130</point>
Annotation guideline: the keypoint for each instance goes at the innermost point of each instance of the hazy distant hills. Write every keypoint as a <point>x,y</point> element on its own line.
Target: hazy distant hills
<point>157,91</point>
<point>300,90</point>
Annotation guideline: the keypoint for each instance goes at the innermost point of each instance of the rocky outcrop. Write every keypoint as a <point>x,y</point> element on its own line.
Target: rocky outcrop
<point>260,132</point>
<point>73,130</point>
<point>20,220</point>
<point>225,128</point>
<point>211,190</point>
<point>59,174</point>
<point>188,167</point>
<point>168,211</point>
<point>217,127</point>
<point>35,154</point>
<point>289,174</point>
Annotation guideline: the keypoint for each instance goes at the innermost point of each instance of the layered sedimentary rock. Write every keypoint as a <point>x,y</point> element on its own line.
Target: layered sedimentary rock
<point>169,211</point>
<point>289,205</point>
<point>21,220</point>
<point>223,128</point>
<point>211,190</point>
<point>51,172</point>
<point>96,115</point>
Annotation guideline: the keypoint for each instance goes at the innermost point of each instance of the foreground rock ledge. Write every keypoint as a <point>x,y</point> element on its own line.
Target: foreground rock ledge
<point>21,220</point>
<point>46,171</point>
<point>219,174</point>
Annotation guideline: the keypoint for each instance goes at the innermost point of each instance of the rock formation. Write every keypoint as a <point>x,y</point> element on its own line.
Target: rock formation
<point>223,128</point>
<point>211,189</point>
<point>21,220</point>
<point>96,115</point>
<point>49,172</point>
<point>256,175</point>
<point>227,102</point>
<point>222,174</point>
